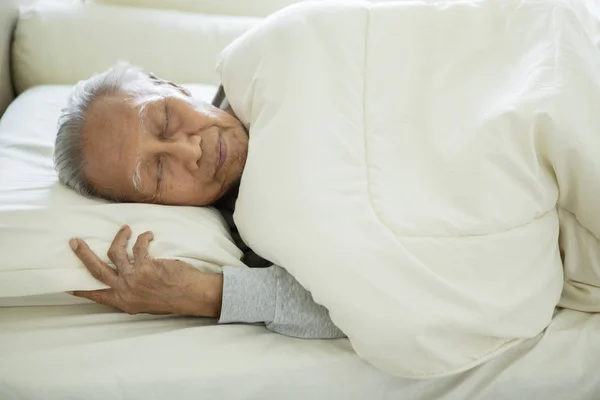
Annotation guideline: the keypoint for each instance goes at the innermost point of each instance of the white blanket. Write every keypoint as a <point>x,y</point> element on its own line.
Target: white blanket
<point>412,164</point>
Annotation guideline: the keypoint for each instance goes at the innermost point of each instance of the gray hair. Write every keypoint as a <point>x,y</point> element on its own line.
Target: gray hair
<point>68,150</point>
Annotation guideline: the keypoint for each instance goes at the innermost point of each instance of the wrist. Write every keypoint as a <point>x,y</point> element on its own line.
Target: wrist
<point>203,296</point>
<point>213,296</point>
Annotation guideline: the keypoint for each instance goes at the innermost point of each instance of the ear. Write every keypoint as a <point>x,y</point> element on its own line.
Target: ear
<point>160,81</point>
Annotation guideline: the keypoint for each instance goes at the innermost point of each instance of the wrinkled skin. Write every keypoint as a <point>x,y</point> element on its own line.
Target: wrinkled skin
<point>167,149</point>
<point>148,285</point>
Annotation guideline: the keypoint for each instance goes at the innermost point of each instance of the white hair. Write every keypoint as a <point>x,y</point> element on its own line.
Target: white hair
<point>68,157</point>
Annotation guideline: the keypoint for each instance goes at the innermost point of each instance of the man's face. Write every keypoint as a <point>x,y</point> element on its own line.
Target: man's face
<point>176,151</point>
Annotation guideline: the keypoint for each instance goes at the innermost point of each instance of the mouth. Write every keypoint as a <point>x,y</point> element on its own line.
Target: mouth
<point>221,152</point>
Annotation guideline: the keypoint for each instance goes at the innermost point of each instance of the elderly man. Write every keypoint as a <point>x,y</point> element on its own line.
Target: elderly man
<point>129,136</point>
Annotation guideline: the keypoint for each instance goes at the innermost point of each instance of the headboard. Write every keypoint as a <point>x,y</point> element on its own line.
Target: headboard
<point>9,10</point>
<point>62,43</point>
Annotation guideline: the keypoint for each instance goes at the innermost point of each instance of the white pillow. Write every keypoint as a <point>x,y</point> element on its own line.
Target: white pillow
<point>38,215</point>
<point>65,43</point>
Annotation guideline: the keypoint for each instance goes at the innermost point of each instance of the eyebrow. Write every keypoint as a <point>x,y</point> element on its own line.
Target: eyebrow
<point>137,177</point>
<point>165,115</point>
<point>143,114</point>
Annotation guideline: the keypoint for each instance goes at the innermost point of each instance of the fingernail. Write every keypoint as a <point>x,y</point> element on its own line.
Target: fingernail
<point>123,227</point>
<point>74,244</point>
<point>70,293</point>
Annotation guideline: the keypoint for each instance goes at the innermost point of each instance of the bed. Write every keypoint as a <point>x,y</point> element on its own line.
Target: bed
<point>92,352</point>
<point>88,351</point>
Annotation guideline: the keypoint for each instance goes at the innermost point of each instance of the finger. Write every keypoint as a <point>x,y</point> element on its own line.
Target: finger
<point>90,260</point>
<point>117,251</point>
<point>104,296</point>
<point>140,249</point>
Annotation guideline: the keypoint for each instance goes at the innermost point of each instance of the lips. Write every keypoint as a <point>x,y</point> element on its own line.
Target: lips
<point>221,152</point>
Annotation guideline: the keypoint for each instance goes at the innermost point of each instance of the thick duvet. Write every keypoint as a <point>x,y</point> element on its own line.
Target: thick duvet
<point>430,171</point>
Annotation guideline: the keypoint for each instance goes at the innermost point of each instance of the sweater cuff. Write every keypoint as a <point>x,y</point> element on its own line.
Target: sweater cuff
<point>249,295</point>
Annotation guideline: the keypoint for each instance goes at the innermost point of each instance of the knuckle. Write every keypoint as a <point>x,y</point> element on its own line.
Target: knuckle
<point>132,283</point>
<point>81,253</point>
<point>145,270</point>
<point>141,279</point>
<point>100,274</point>
<point>127,274</point>
<point>96,272</point>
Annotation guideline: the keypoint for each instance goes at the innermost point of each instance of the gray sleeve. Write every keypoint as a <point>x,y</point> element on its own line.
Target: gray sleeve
<point>273,297</point>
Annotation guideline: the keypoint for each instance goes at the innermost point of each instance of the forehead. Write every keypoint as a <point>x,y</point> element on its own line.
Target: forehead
<point>111,143</point>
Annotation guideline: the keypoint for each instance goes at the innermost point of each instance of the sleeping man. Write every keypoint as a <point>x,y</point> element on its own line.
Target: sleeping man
<point>438,196</point>
<point>129,136</point>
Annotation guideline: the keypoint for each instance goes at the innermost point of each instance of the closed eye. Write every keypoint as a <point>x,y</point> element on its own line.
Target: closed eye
<point>165,129</point>
<point>159,172</point>
<point>162,136</point>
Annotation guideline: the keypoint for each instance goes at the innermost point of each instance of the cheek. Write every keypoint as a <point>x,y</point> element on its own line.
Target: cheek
<point>187,189</point>
<point>182,184</point>
<point>239,142</point>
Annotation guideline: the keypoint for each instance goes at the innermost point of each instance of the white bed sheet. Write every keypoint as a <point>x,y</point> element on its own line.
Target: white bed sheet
<point>89,351</point>
<point>93,352</point>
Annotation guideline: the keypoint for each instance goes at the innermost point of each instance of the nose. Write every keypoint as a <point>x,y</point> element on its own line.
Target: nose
<point>188,152</point>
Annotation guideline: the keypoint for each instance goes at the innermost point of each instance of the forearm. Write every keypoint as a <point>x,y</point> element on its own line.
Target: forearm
<point>272,296</point>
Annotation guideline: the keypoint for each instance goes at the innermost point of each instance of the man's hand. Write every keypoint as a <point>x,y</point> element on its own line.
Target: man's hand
<point>148,285</point>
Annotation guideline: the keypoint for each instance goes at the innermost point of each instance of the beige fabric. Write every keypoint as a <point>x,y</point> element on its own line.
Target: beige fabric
<point>8,16</point>
<point>62,44</point>
<point>96,353</point>
<point>440,142</point>
<point>255,8</point>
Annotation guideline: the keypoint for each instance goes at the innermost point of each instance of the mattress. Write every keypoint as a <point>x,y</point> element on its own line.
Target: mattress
<point>93,352</point>
<point>88,351</point>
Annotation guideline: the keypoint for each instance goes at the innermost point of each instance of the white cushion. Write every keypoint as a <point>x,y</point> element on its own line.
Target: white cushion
<point>419,152</point>
<point>65,43</point>
<point>258,8</point>
<point>38,215</point>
